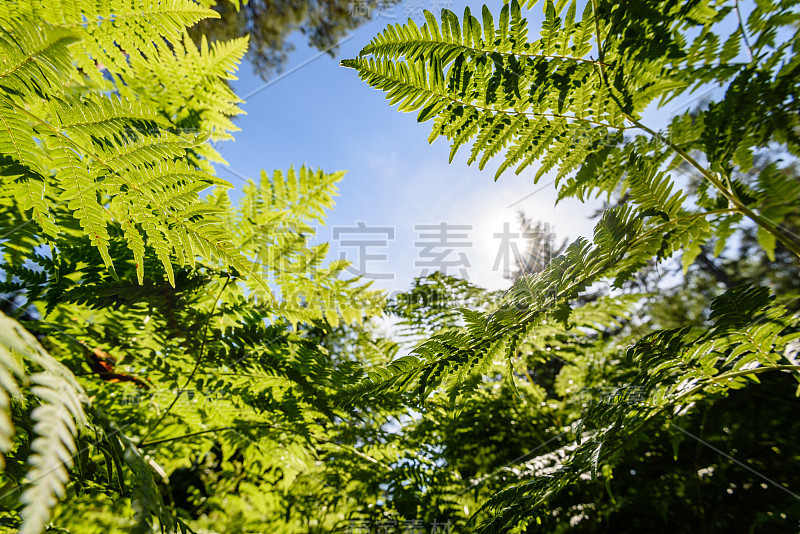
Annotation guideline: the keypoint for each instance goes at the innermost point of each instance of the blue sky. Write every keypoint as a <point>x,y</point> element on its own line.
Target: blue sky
<point>320,114</point>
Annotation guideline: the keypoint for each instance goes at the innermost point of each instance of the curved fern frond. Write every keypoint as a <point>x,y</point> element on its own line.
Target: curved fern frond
<point>58,419</point>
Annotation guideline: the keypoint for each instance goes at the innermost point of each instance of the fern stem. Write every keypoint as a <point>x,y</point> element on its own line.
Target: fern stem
<point>116,17</point>
<point>201,432</point>
<point>450,98</point>
<point>264,425</point>
<point>763,222</point>
<point>530,113</point>
<point>755,371</point>
<point>17,227</point>
<point>744,32</point>
<point>487,51</point>
<point>357,452</point>
<point>600,57</point>
<point>197,363</point>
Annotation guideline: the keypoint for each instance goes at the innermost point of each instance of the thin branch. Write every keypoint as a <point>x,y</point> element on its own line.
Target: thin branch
<point>17,227</point>
<point>734,460</point>
<point>197,363</point>
<point>744,32</point>
<point>358,453</point>
<point>576,473</point>
<point>201,432</point>
<point>598,38</point>
<point>488,51</point>
<point>763,222</point>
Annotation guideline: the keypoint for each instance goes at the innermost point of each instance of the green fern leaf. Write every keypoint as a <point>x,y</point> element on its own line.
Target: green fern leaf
<point>58,420</point>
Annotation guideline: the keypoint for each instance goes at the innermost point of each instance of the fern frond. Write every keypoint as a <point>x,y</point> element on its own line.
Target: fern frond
<point>507,86</point>
<point>748,336</point>
<point>17,143</point>
<point>58,420</point>
<point>23,160</point>
<point>777,193</point>
<point>201,94</point>
<point>36,59</point>
<point>652,190</point>
<point>109,148</point>
<point>624,241</point>
<point>112,33</point>
<point>104,116</point>
<point>81,194</point>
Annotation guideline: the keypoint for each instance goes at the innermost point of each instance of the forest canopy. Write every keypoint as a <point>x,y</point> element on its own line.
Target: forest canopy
<point>270,24</point>
<point>177,357</point>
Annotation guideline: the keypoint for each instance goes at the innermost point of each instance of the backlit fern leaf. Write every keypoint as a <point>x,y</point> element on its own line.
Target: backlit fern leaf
<point>103,116</point>
<point>510,86</point>
<point>36,60</point>
<point>201,91</point>
<point>652,190</point>
<point>58,419</point>
<point>128,159</point>
<point>548,99</point>
<point>17,141</point>
<point>81,194</point>
<point>272,225</point>
<point>112,32</point>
